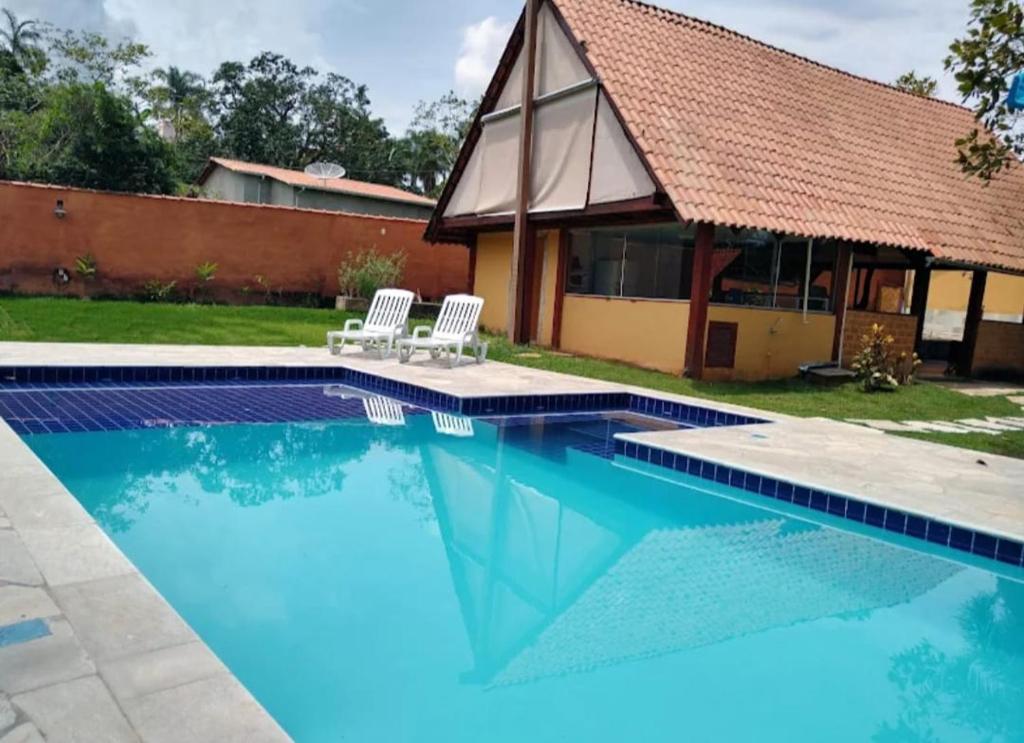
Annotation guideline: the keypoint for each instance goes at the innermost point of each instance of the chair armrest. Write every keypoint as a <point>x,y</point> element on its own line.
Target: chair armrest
<point>427,330</point>
<point>353,324</point>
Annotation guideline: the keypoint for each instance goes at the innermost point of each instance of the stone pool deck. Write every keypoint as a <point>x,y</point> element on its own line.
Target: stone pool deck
<point>119,664</point>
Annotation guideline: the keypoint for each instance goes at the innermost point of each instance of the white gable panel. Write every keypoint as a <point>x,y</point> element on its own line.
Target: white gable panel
<point>561,152</point>
<point>618,174</point>
<point>488,183</point>
<point>467,191</point>
<point>558,64</point>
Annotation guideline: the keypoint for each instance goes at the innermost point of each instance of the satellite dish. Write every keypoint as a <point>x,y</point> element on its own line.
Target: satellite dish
<point>324,171</point>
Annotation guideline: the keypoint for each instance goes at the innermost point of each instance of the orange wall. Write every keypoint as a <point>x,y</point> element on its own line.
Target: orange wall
<point>136,239</point>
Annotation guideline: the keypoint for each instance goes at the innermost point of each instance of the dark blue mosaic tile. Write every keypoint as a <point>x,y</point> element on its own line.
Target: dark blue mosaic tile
<point>961,539</point>
<point>895,521</point>
<point>984,545</point>
<point>916,526</point>
<point>785,492</point>
<point>837,505</point>
<point>875,515</point>
<point>938,532</point>
<point>1010,551</point>
<point>769,487</point>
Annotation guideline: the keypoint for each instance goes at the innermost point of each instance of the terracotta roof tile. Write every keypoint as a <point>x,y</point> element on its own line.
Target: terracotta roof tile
<point>744,134</point>
<point>337,185</point>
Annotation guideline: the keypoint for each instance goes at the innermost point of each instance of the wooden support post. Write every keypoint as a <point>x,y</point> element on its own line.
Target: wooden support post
<point>519,281</point>
<point>472,266</point>
<point>700,296</point>
<point>840,298</point>
<point>919,302</point>
<point>975,310</point>
<point>560,279</point>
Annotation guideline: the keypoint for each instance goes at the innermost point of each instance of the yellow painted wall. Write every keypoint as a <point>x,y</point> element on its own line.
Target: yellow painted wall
<point>645,332</point>
<point>493,269</point>
<point>771,344</point>
<point>949,290</point>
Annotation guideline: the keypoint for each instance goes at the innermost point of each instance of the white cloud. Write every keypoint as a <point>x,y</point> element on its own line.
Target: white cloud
<point>482,44</point>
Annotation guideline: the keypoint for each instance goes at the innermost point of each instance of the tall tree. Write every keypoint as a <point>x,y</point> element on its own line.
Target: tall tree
<point>20,40</point>
<point>922,85</point>
<point>984,63</point>
<point>431,145</point>
<point>177,93</point>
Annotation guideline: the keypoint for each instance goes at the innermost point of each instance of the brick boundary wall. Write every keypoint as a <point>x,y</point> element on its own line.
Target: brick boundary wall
<point>138,238</point>
<point>1000,347</point>
<point>901,327</point>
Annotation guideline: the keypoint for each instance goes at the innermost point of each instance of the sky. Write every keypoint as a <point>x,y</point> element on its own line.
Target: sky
<point>411,50</point>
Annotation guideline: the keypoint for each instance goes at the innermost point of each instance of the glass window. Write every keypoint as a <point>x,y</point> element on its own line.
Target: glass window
<point>651,261</point>
<point>759,269</point>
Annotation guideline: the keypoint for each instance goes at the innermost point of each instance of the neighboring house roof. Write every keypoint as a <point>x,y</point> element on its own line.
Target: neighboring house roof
<point>335,185</point>
<point>740,133</point>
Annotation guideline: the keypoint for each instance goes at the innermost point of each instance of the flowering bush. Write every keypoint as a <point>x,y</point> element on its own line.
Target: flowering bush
<point>879,367</point>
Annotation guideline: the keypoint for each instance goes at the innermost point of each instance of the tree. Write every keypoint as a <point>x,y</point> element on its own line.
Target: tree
<point>88,57</point>
<point>984,62</point>
<point>20,40</point>
<point>272,111</point>
<point>86,135</point>
<point>431,145</point>
<point>177,94</point>
<point>921,85</point>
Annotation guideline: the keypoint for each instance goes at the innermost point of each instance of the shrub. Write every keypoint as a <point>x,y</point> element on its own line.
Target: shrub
<point>205,272</point>
<point>158,291</point>
<point>362,274</point>
<point>878,366</point>
<point>85,266</point>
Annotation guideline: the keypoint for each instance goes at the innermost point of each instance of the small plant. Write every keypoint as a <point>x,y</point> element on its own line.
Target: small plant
<point>158,291</point>
<point>85,267</point>
<point>362,274</point>
<point>879,367</point>
<point>206,272</point>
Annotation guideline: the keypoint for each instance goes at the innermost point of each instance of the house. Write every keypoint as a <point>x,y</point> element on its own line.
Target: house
<point>699,202</point>
<point>234,180</point>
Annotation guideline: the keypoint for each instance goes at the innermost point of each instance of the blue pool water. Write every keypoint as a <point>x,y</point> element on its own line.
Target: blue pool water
<point>394,583</point>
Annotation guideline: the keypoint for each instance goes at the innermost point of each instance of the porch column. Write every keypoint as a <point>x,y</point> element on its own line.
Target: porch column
<point>919,301</point>
<point>840,293</point>
<point>975,310</point>
<point>559,303</point>
<point>700,295</point>
<point>518,281</point>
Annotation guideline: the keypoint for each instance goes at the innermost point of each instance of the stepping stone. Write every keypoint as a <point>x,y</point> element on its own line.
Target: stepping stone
<point>882,425</point>
<point>946,427</point>
<point>988,424</point>
<point>1016,399</point>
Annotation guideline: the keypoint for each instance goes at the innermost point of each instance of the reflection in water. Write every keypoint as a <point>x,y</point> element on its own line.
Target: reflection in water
<point>549,588</point>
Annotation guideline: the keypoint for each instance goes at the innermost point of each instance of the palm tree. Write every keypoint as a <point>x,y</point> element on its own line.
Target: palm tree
<point>19,38</point>
<point>180,91</point>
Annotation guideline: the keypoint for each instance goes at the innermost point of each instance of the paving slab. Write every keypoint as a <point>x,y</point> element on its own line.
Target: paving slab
<point>16,565</point>
<point>214,709</point>
<point>47,660</point>
<point>119,616</point>
<point>79,711</point>
<point>145,673</point>
<point>992,424</point>
<point>73,554</point>
<point>18,603</point>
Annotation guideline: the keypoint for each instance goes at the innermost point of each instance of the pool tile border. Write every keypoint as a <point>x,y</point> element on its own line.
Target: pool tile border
<point>44,377</point>
<point>982,544</point>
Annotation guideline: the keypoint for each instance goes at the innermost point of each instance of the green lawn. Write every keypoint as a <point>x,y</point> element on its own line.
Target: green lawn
<point>47,319</point>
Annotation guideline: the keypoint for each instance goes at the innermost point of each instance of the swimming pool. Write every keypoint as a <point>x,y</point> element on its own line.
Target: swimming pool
<point>385,573</point>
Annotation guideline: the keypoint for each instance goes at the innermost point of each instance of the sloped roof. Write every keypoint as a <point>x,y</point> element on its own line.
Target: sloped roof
<point>336,185</point>
<point>744,134</point>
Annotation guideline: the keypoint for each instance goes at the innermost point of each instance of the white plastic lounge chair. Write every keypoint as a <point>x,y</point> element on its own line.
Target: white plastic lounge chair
<point>452,425</point>
<point>386,322</point>
<point>384,411</point>
<point>456,328</point>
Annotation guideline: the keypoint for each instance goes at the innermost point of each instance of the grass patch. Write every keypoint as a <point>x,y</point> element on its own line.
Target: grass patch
<point>54,319</point>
